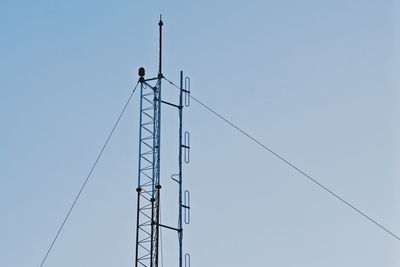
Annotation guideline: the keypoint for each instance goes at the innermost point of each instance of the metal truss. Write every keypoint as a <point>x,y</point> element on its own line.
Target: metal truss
<point>147,231</point>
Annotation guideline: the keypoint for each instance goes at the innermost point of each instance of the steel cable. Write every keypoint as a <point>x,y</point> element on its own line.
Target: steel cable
<point>287,162</point>
<point>88,176</point>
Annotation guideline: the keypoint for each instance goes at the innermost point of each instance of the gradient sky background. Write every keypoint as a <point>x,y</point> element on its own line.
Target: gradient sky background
<point>317,81</point>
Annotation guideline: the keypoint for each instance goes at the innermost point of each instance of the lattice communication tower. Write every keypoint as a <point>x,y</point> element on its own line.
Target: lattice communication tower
<point>148,223</point>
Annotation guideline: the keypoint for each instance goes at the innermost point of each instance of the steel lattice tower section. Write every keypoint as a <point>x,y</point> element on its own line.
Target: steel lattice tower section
<point>149,187</point>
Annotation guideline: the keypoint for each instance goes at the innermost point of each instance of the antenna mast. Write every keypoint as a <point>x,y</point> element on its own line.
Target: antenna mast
<point>160,25</point>
<point>148,224</point>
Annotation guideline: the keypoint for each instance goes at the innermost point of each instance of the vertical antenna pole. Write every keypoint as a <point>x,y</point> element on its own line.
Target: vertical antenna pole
<point>157,133</point>
<point>160,24</point>
<point>180,227</point>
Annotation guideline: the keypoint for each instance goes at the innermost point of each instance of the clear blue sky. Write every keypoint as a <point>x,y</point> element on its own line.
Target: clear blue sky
<point>317,81</point>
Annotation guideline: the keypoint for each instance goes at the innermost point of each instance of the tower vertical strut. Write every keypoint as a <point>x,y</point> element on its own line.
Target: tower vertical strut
<point>148,187</point>
<point>180,233</point>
